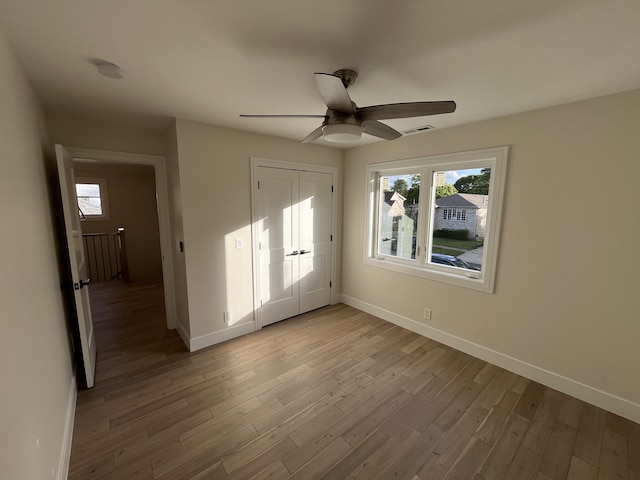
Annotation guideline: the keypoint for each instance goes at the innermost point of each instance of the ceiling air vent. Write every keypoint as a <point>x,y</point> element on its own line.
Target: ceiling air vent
<point>418,129</point>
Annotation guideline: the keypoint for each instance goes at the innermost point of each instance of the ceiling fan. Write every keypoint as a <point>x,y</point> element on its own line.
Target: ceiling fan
<point>345,122</point>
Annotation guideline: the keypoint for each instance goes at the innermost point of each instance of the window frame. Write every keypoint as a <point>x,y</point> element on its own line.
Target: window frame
<point>494,158</point>
<point>104,197</point>
<point>395,172</point>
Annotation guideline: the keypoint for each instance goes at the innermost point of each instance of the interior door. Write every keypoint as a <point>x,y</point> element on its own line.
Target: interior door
<point>76,259</point>
<point>293,215</point>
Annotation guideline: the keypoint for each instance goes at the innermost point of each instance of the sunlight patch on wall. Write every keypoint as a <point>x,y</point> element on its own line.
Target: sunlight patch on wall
<point>238,276</point>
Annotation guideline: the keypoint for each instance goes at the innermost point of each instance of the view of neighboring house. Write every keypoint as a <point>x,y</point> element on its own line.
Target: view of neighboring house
<point>462,211</point>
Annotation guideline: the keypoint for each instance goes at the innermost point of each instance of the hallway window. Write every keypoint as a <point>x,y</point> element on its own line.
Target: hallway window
<point>92,197</point>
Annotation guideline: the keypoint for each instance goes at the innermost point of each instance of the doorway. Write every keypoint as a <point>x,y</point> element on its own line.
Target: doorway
<point>293,225</point>
<point>86,157</point>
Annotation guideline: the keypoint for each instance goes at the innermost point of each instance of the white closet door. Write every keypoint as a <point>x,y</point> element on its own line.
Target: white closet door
<point>277,218</point>
<point>293,220</point>
<point>315,240</point>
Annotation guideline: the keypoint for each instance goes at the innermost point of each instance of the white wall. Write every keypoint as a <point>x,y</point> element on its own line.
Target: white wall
<point>565,303</point>
<point>37,399</point>
<point>215,174</point>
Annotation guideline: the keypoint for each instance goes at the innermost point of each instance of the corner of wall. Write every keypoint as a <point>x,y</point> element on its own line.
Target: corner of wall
<point>176,231</point>
<point>65,452</point>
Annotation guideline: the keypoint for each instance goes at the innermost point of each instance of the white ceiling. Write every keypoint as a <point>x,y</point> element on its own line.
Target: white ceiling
<point>211,60</point>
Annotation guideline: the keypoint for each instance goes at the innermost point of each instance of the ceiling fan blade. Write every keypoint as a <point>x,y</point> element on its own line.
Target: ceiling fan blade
<point>313,136</point>
<point>379,129</point>
<point>405,110</point>
<point>284,116</point>
<point>334,93</point>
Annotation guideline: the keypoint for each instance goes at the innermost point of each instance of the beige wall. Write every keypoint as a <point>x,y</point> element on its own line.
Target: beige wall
<point>35,360</point>
<point>215,173</point>
<point>566,290</point>
<point>73,131</point>
<point>132,204</point>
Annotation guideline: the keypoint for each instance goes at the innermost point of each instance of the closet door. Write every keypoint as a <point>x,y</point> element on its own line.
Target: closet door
<point>277,218</point>
<point>293,220</point>
<point>315,240</point>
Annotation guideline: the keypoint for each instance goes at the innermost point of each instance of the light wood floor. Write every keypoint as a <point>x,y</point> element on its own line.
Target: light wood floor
<point>334,394</point>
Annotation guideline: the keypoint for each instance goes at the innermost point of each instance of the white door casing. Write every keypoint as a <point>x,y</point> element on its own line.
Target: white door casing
<point>75,246</point>
<point>292,237</point>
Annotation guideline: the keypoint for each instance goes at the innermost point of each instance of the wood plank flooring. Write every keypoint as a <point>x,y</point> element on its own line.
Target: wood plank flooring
<point>332,394</point>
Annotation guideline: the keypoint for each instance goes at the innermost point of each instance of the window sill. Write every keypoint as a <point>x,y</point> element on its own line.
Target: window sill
<point>447,275</point>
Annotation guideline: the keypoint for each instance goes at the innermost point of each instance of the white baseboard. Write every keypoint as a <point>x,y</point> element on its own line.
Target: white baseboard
<point>209,339</point>
<point>65,452</point>
<point>599,398</point>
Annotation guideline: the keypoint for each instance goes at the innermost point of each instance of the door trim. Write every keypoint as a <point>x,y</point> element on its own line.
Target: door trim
<point>257,162</point>
<point>162,192</point>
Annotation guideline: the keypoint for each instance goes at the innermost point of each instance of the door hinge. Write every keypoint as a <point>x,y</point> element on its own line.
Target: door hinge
<point>331,188</point>
<point>331,238</point>
<point>330,284</point>
<point>259,245</point>
<point>258,184</point>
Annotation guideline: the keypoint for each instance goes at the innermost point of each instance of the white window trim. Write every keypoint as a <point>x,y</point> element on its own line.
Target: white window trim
<point>104,198</point>
<point>496,159</point>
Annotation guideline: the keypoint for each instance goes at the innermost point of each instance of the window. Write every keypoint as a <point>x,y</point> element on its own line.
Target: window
<point>398,220</point>
<point>437,217</point>
<point>454,214</point>
<point>92,198</point>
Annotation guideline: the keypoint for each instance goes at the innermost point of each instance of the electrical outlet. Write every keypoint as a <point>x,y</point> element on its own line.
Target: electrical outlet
<point>239,242</point>
<point>427,314</point>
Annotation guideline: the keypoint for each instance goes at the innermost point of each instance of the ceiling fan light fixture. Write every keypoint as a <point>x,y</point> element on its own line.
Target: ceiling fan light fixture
<point>342,132</point>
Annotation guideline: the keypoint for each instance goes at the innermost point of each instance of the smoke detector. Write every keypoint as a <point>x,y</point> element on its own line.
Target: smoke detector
<point>110,70</point>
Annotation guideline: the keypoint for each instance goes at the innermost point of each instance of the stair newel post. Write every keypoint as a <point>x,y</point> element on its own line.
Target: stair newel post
<point>123,254</point>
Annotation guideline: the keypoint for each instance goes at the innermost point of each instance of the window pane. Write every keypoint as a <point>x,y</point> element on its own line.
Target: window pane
<point>460,217</point>
<point>398,215</point>
<point>90,206</point>
<point>89,200</point>
<point>88,189</point>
